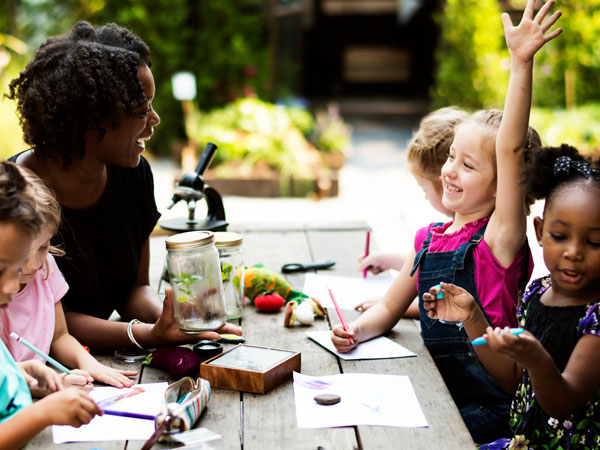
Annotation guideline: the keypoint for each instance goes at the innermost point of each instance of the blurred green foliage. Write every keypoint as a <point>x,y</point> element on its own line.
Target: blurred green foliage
<point>574,55</point>
<point>224,43</point>
<point>470,55</point>
<point>252,134</point>
<point>578,126</point>
<point>473,63</point>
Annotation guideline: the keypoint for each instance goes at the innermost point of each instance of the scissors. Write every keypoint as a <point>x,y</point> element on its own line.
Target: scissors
<point>295,267</point>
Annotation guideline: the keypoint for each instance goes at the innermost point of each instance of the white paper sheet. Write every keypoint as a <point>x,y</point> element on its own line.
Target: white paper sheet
<point>348,291</point>
<point>148,400</point>
<point>377,348</point>
<point>366,399</point>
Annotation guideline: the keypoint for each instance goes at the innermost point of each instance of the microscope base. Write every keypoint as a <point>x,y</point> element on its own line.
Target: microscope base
<point>182,225</point>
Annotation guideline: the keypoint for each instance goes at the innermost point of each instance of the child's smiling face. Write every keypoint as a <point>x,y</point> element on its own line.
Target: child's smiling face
<point>469,174</point>
<point>14,248</point>
<point>570,237</point>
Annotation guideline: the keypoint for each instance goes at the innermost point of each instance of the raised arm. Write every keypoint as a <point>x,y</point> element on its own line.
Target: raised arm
<point>506,231</point>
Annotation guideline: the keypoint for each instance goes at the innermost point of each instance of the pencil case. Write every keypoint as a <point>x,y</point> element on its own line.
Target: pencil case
<point>183,404</point>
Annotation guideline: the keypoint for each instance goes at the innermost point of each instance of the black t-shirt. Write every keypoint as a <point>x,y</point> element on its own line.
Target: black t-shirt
<point>103,243</point>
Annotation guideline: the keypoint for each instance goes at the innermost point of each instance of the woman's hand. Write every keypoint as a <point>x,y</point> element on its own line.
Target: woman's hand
<point>344,341</point>
<point>529,36</point>
<point>457,305</point>
<point>166,331</point>
<point>68,407</point>
<point>39,376</point>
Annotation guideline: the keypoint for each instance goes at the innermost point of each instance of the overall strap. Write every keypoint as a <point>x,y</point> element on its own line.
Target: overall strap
<point>424,248</point>
<point>458,262</point>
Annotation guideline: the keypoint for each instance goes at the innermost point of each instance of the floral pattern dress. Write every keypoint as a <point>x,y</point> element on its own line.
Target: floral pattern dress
<point>558,329</point>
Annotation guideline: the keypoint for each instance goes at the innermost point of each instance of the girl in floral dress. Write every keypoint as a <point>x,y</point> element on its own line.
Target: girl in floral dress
<point>555,364</point>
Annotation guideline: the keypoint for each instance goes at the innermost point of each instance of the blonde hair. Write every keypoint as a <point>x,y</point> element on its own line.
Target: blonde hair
<point>490,119</point>
<point>46,204</point>
<point>429,146</point>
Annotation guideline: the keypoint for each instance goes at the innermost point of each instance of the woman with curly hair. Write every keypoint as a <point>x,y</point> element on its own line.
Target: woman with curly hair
<point>85,106</point>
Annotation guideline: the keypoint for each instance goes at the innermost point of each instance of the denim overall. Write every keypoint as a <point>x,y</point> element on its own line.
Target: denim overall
<point>483,405</point>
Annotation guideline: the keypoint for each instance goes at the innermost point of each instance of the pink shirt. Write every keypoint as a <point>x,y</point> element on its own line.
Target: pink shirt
<point>497,286</point>
<point>31,313</point>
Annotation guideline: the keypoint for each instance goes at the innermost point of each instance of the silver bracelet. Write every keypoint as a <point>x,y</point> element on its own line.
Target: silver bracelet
<point>130,332</point>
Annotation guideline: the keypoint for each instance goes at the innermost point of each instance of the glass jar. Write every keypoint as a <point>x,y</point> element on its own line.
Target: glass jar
<point>195,276</point>
<point>232,271</point>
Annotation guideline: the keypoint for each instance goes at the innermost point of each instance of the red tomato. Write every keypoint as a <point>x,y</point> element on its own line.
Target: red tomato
<point>269,301</point>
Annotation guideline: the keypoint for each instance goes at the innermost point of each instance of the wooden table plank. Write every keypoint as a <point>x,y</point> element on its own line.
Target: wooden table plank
<point>442,416</point>
<point>270,419</point>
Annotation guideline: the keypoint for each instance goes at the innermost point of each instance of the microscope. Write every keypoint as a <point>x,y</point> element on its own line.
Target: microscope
<point>192,188</point>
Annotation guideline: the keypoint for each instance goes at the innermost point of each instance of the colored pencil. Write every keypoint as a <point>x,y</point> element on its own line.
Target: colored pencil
<point>339,313</point>
<point>51,360</point>
<point>367,246</point>
<point>129,414</point>
<point>481,340</point>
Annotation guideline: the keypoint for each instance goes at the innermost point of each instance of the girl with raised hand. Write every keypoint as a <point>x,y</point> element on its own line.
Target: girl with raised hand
<point>20,420</point>
<point>553,368</point>
<point>36,311</point>
<point>427,152</point>
<point>483,249</point>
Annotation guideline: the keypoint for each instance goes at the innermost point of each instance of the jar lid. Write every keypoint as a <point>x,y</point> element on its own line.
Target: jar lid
<point>191,239</point>
<point>228,239</point>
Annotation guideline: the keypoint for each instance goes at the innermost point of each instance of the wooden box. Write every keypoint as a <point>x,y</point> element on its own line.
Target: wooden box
<point>250,368</point>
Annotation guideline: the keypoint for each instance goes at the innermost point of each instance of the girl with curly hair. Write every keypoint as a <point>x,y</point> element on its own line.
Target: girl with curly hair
<point>552,368</point>
<point>85,106</point>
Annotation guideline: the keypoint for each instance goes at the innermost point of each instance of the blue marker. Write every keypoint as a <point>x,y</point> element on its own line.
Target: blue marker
<point>481,340</point>
<point>440,294</point>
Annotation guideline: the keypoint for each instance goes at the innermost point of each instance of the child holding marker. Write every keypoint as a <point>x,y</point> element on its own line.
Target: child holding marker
<point>20,420</point>
<point>427,153</point>
<point>36,312</point>
<point>553,368</point>
<point>483,248</point>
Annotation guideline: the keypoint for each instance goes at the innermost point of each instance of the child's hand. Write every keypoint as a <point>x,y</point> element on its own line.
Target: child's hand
<point>39,376</point>
<point>80,380</point>
<point>380,262</point>
<point>68,407</point>
<point>529,36</point>
<point>108,375</point>
<point>363,306</point>
<point>342,340</point>
<point>524,349</point>
<point>457,305</point>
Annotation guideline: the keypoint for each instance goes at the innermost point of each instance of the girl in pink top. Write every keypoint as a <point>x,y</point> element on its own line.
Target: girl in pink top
<point>496,284</point>
<point>481,185</point>
<point>36,312</point>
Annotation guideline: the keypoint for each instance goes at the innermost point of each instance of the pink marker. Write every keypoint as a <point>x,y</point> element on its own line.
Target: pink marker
<point>339,313</point>
<point>367,245</point>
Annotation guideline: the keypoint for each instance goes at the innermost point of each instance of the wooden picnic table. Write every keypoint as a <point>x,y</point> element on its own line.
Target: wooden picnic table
<point>254,421</point>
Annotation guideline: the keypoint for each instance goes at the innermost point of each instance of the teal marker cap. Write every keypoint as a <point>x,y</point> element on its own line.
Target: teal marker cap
<point>481,340</point>
<point>440,294</point>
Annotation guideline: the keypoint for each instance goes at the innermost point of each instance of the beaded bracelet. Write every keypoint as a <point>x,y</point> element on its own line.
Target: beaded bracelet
<point>130,332</point>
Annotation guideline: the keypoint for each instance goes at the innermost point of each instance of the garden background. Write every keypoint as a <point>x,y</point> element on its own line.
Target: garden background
<point>272,127</point>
